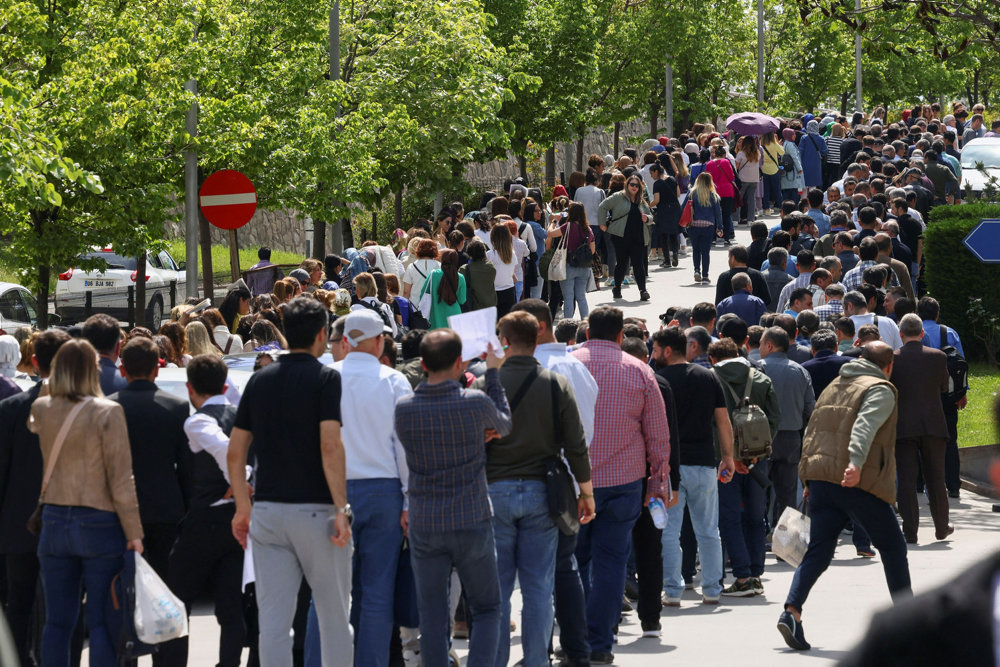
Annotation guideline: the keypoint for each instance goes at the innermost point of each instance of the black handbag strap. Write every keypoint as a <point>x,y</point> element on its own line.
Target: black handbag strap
<point>523,389</point>
<point>556,424</point>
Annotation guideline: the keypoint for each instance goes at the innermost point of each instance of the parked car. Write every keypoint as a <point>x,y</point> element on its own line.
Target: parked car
<point>81,293</point>
<point>985,150</point>
<point>18,308</point>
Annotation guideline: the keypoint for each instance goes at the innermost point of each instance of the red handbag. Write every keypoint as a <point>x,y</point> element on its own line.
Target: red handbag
<point>686,213</point>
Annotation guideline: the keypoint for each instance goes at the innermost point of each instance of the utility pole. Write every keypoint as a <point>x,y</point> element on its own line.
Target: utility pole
<point>191,221</point>
<point>337,227</point>
<point>760,54</point>
<point>668,98</point>
<point>857,56</point>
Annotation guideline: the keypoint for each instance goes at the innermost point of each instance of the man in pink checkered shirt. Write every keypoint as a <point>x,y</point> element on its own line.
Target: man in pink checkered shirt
<point>630,432</point>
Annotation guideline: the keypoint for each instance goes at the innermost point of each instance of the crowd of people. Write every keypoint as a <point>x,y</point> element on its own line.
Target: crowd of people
<point>371,493</point>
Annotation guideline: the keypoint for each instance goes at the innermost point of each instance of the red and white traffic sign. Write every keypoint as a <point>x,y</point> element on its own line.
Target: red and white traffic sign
<point>228,199</point>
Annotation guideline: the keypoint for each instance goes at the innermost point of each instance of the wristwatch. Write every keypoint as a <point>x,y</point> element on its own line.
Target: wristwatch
<point>346,511</point>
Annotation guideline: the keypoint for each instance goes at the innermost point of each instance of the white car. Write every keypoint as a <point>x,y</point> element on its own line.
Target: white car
<point>81,293</point>
<point>18,308</point>
<point>985,150</point>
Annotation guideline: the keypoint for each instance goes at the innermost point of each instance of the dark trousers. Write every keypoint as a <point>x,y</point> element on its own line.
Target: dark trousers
<point>742,506</point>
<point>727,217</point>
<point>206,557</point>
<point>913,454</point>
<point>571,604</point>
<point>951,461</point>
<point>785,452</point>
<point>157,541</point>
<point>647,541</point>
<point>555,297</point>
<point>625,252</point>
<point>670,243</point>
<point>830,507</point>
<point>505,301</point>
<point>689,548</point>
<point>771,196</point>
<point>22,583</point>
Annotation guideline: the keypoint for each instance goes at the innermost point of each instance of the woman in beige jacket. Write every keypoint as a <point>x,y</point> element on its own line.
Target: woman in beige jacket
<point>90,514</point>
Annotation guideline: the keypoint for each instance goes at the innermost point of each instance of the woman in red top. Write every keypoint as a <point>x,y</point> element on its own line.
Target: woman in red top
<point>724,179</point>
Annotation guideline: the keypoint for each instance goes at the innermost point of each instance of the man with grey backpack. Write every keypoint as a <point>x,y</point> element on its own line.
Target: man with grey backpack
<point>754,409</point>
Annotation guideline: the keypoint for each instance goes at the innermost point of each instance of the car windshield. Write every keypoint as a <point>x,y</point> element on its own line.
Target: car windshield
<point>114,261</point>
<point>988,155</point>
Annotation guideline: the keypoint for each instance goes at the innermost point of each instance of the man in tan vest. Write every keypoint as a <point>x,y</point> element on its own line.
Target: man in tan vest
<point>849,468</point>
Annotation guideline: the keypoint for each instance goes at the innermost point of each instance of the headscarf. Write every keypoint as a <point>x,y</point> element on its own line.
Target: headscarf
<point>808,117</point>
<point>788,134</point>
<point>448,287</point>
<point>812,127</point>
<point>10,355</point>
<point>827,122</point>
<point>559,191</point>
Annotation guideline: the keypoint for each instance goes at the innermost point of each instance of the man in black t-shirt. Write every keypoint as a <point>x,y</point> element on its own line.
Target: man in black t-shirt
<point>700,401</point>
<point>301,520</point>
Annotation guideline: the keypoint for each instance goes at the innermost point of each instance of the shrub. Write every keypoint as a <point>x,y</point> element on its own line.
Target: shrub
<point>954,276</point>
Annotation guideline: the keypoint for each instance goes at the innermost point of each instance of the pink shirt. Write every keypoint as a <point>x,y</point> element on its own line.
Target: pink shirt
<point>722,176</point>
<point>630,420</point>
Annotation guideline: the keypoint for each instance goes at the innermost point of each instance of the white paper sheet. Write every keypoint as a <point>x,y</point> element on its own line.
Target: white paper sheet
<point>477,329</point>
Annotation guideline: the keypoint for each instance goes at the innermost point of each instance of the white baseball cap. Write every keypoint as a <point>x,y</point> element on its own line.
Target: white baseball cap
<point>360,325</point>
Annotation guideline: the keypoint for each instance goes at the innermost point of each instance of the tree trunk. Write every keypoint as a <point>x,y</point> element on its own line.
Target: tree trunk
<point>140,290</point>
<point>579,151</point>
<point>654,119</point>
<point>550,167</point>
<point>348,234</point>
<point>44,273</point>
<point>522,166</point>
<point>319,239</point>
<point>618,136</point>
<point>397,211</point>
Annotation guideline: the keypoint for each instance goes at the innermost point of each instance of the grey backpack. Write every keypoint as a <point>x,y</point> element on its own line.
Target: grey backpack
<point>751,430</point>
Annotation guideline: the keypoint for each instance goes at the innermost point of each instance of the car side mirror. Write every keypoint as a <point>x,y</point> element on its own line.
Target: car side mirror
<point>181,266</point>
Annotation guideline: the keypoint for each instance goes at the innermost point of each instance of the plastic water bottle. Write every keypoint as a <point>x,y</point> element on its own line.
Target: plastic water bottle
<point>658,512</point>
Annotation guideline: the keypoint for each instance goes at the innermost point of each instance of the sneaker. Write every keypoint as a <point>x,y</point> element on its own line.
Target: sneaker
<point>643,295</point>
<point>626,606</point>
<point>705,280</point>
<point>757,586</point>
<point>602,658</point>
<point>866,553</point>
<point>669,601</point>
<point>631,589</point>
<point>791,630</point>
<point>651,629</point>
<point>709,599</point>
<point>740,590</point>
<point>610,282</point>
<point>627,281</point>
<point>697,277</point>
<point>689,584</point>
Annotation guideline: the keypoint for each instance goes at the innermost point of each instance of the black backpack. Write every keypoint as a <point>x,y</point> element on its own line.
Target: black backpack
<point>958,367</point>
<point>372,307</point>
<point>787,162</point>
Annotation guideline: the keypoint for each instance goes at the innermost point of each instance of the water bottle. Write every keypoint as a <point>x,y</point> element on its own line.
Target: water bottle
<point>658,512</point>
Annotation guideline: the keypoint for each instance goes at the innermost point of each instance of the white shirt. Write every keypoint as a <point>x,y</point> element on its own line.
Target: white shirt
<point>412,276</point>
<point>520,253</point>
<point>504,278</point>
<point>222,338</point>
<point>886,327</point>
<point>591,197</point>
<point>368,397</point>
<point>527,235</point>
<point>205,435</point>
<point>484,236</point>
<point>556,358</point>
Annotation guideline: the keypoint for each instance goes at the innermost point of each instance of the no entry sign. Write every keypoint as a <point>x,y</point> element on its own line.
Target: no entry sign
<point>228,199</point>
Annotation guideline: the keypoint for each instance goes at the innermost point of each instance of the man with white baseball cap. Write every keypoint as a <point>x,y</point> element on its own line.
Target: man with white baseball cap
<point>376,480</point>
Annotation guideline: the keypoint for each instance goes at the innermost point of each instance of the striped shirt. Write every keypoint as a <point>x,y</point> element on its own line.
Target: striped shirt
<point>630,420</point>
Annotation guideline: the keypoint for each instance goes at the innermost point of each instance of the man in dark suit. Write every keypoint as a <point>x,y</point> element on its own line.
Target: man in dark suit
<point>920,375</point>
<point>825,365</point>
<point>739,260</point>
<point>160,453</point>
<point>105,334</point>
<point>20,484</point>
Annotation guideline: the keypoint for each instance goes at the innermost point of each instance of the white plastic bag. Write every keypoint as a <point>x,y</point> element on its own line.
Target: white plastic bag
<point>159,614</point>
<point>790,538</point>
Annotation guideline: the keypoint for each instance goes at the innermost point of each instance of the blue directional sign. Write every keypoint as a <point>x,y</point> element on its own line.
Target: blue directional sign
<point>984,241</point>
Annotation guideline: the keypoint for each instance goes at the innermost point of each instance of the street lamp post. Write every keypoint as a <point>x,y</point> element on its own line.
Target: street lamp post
<point>857,55</point>
<point>760,54</point>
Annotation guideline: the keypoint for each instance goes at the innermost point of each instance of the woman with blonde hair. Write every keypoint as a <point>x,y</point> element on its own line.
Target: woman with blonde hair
<point>504,260</point>
<point>748,171</point>
<point>199,341</point>
<point>629,224</point>
<point>771,150</point>
<point>89,509</point>
<point>367,291</point>
<point>706,224</point>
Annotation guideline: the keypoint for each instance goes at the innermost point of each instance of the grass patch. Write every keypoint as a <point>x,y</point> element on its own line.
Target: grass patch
<point>975,422</point>
<point>220,257</point>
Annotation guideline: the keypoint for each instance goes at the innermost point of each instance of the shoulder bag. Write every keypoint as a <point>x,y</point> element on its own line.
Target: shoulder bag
<point>687,214</point>
<point>581,256</point>
<point>557,265</point>
<point>35,520</point>
<point>423,312</point>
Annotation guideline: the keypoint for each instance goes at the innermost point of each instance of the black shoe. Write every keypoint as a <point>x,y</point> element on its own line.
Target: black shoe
<point>791,630</point>
<point>673,260</point>
<point>602,658</point>
<point>953,494</point>
<point>651,629</point>
<point>616,293</point>
<point>643,295</point>
<point>631,589</point>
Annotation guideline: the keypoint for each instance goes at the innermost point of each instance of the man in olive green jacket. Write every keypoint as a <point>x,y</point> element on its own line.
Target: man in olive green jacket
<point>849,468</point>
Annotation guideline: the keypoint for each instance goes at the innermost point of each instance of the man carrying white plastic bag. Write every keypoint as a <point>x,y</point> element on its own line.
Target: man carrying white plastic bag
<point>159,614</point>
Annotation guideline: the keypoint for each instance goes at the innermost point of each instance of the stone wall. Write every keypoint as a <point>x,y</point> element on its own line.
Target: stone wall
<point>279,230</point>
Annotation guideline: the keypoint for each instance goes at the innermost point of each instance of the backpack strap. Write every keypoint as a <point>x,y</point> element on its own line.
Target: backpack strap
<point>556,424</point>
<point>523,389</point>
<point>736,397</point>
<point>942,336</point>
<point>746,390</point>
<point>229,344</point>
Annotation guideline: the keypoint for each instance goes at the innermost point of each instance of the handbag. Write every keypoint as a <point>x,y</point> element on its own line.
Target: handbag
<point>687,213</point>
<point>582,256</point>
<point>790,539</point>
<point>420,316</point>
<point>557,266</point>
<point>34,524</point>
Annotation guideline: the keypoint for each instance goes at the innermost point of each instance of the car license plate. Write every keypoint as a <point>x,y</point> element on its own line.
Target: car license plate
<point>98,282</point>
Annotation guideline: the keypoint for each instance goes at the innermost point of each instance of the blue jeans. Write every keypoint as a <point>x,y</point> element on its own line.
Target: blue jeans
<point>574,290</point>
<point>830,506</point>
<point>602,241</point>
<point>571,604</point>
<point>771,195</point>
<point>699,492</point>
<point>526,541</point>
<point>536,291</point>
<point>473,554</point>
<point>518,290</point>
<point>701,246</point>
<point>742,507</point>
<point>78,545</point>
<point>602,551</point>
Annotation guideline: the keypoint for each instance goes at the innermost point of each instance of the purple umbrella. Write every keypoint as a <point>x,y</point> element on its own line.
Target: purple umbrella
<point>752,123</point>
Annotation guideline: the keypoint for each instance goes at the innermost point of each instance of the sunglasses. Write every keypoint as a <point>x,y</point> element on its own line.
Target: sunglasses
<point>633,186</point>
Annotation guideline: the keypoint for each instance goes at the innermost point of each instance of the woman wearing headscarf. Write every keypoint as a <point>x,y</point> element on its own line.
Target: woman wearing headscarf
<point>629,230</point>
<point>10,357</point>
<point>448,288</point>
<point>812,152</point>
<point>792,182</point>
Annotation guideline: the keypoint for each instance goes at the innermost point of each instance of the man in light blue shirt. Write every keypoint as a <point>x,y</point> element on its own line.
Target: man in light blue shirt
<point>376,480</point>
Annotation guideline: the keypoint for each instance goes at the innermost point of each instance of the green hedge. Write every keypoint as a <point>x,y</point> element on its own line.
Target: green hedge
<point>954,274</point>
